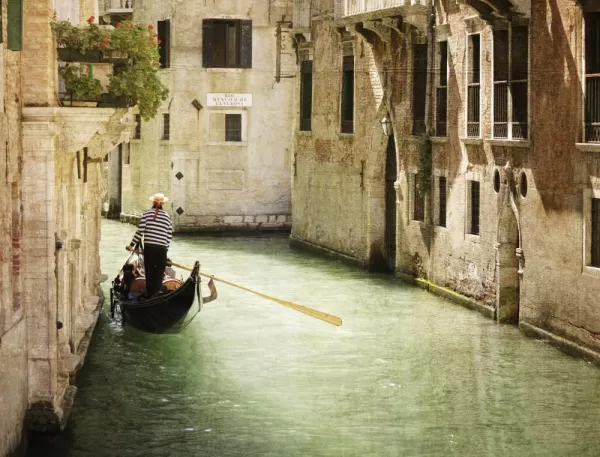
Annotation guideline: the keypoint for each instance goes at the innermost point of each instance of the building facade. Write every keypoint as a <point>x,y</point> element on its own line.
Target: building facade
<point>51,183</point>
<point>456,144</point>
<point>220,146</point>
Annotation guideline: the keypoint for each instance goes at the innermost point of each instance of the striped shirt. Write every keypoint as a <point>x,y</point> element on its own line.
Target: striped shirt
<point>155,231</point>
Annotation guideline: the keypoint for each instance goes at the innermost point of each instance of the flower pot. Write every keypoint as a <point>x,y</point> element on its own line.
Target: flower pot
<point>74,55</point>
<point>115,101</point>
<point>80,103</point>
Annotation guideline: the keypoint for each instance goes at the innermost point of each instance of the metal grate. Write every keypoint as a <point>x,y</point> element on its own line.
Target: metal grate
<point>592,108</point>
<point>419,201</point>
<point>166,126</point>
<point>233,127</point>
<point>473,107</point>
<point>595,232</point>
<point>306,91</point>
<point>474,229</point>
<point>347,114</point>
<point>442,202</point>
<point>138,128</point>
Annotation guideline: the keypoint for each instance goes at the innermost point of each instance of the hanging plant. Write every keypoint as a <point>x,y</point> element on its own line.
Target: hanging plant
<point>425,164</point>
<point>136,79</point>
<point>79,83</point>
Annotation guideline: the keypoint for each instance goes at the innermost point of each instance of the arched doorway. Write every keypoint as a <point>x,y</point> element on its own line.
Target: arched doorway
<point>391,176</point>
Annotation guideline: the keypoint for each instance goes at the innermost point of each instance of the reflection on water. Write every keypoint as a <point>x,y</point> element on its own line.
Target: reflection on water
<point>408,374</point>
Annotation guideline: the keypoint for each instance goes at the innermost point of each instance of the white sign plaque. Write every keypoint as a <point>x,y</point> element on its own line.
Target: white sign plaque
<point>228,100</point>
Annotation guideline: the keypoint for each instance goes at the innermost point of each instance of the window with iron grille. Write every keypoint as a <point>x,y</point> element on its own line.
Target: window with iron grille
<point>166,133</point>
<point>595,233</point>
<point>511,57</point>
<point>306,77</point>
<point>441,90</point>
<point>419,88</point>
<point>226,43</point>
<point>592,77</point>
<point>138,127</point>
<point>473,86</point>
<point>418,200</point>
<point>163,30</point>
<point>442,201</point>
<point>473,226</point>
<point>347,108</point>
<point>233,127</point>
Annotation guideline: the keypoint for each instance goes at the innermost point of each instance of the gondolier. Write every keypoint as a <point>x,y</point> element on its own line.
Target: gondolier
<point>156,229</point>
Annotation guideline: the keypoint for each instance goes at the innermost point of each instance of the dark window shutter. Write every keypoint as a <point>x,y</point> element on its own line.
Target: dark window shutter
<point>246,44</point>
<point>207,42</point>
<point>164,35</point>
<point>15,25</point>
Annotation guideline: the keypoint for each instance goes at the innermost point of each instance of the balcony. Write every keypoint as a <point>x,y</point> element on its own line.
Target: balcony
<point>123,9</point>
<point>354,7</point>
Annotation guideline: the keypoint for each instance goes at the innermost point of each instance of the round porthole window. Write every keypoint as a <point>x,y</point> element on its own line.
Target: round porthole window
<point>523,184</point>
<point>496,180</point>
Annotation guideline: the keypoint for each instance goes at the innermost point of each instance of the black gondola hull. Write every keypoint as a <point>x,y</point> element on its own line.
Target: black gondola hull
<point>164,313</point>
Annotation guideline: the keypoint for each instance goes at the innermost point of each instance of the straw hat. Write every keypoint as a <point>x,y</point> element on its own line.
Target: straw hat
<point>158,197</point>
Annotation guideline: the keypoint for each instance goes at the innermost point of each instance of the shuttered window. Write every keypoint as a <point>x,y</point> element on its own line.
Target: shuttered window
<point>595,257</point>
<point>474,86</point>
<point>306,77</point>
<point>347,108</point>
<point>592,77</point>
<point>163,30</point>
<point>441,91</point>
<point>15,24</point>
<point>226,43</point>
<point>166,133</point>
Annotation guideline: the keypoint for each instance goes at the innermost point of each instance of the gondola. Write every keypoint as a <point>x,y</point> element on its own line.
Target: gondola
<point>169,311</point>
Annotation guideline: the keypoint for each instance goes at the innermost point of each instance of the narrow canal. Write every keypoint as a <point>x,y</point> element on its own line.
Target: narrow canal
<point>408,374</point>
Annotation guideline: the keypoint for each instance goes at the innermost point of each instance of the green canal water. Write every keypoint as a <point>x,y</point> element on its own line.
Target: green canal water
<point>408,374</point>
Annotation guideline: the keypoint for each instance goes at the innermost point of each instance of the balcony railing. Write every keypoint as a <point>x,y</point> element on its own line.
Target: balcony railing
<point>118,6</point>
<point>367,6</point>
<point>592,108</point>
<point>473,106</point>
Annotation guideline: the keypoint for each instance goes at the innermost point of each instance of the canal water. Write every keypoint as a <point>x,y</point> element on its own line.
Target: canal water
<point>408,374</point>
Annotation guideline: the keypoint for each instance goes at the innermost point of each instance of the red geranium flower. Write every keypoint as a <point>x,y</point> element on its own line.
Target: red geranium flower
<point>119,25</point>
<point>150,26</point>
<point>90,19</point>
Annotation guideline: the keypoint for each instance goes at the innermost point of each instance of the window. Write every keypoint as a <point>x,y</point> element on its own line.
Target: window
<point>592,77</point>
<point>419,88</point>
<point>473,86</point>
<point>418,200</point>
<point>441,90</point>
<point>511,57</point>
<point>233,127</point>
<point>306,68</point>
<point>125,153</point>
<point>595,234</point>
<point>347,95</point>
<point>442,201</point>
<point>137,135</point>
<point>473,208</point>
<point>166,131</point>
<point>226,43</point>
<point>164,35</point>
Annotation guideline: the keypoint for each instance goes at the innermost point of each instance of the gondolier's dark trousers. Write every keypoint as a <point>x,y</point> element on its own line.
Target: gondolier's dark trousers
<point>155,262</point>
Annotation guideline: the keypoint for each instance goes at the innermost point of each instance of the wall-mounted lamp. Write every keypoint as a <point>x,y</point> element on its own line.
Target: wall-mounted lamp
<point>386,125</point>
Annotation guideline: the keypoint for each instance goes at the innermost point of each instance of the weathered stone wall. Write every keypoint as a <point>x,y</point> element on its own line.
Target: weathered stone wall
<point>13,334</point>
<point>559,291</point>
<point>338,182</point>
<point>213,184</point>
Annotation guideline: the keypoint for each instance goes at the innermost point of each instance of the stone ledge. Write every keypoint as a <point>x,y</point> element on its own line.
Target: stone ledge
<point>320,250</point>
<point>448,294</point>
<point>568,347</point>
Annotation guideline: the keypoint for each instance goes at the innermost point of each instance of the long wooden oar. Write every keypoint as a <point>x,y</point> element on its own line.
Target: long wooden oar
<point>329,318</point>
